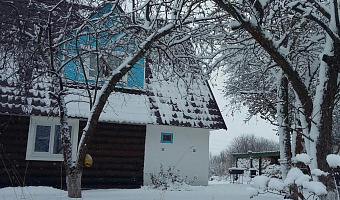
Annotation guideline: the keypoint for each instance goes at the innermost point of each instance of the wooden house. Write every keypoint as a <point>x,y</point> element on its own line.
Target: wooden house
<point>141,128</point>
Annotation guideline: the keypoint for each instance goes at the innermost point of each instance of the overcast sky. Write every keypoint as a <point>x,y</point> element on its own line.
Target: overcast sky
<point>220,139</point>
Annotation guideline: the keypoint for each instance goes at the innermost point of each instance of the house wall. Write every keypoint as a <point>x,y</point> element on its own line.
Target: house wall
<point>15,170</point>
<point>189,152</point>
<point>117,151</point>
<point>118,157</point>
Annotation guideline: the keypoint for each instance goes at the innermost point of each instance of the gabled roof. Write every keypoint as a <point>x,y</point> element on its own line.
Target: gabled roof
<point>173,102</point>
<point>17,98</point>
<point>160,102</point>
<point>164,102</point>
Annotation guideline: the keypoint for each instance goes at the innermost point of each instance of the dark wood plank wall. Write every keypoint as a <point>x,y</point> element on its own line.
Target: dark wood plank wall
<point>117,151</point>
<point>118,157</point>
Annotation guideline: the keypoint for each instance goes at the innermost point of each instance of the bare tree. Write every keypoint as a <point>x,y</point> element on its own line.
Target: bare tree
<point>306,49</point>
<point>53,35</point>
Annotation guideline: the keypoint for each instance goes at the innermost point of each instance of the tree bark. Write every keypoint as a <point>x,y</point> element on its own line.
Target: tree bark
<point>73,173</point>
<point>287,140</point>
<point>324,144</point>
<point>73,182</point>
<point>284,135</point>
<point>284,132</point>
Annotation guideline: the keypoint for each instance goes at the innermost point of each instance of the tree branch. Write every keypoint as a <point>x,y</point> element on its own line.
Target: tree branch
<point>321,9</point>
<point>269,47</point>
<point>334,36</point>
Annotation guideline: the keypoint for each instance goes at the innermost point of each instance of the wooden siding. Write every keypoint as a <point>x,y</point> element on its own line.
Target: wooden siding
<point>118,157</point>
<point>117,151</point>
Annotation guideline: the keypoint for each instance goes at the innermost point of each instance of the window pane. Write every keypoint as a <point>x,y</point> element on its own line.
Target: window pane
<point>93,71</point>
<point>114,62</point>
<point>58,146</point>
<point>42,138</point>
<point>166,137</point>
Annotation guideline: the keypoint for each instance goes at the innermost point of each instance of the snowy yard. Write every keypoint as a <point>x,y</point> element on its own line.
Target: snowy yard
<point>215,191</point>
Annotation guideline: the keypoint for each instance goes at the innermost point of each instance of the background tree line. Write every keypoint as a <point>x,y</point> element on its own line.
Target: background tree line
<point>220,163</point>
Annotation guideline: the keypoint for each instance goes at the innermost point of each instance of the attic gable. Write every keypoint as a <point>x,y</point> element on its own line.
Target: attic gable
<point>98,47</point>
<point>162,101</point>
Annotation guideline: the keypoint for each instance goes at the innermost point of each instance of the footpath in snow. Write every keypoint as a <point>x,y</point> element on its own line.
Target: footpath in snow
<point>215,191</point>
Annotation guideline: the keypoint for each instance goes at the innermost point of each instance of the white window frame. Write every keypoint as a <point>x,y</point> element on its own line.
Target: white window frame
<point>49,156</point>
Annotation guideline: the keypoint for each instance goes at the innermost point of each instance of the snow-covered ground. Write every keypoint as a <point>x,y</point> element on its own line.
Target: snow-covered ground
<point>215,191</point>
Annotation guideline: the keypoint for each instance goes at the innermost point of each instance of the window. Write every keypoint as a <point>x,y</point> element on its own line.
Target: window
<point>133,80</point>
<point>103,69</point>
<point>166,138</point>
<point>44,139</point>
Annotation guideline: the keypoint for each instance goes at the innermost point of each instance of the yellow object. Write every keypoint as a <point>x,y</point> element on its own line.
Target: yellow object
<point>88,160</point>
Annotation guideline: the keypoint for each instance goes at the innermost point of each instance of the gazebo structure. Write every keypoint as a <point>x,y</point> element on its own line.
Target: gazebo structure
<point>257,160</point>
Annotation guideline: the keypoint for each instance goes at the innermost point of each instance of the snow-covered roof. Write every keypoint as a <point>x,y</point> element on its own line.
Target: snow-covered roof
<point>159,102</point>
<point>174,102</point>
<point>122,107</point>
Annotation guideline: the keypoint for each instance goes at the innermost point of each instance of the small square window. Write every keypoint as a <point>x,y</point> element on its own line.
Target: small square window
<point>167,138</point>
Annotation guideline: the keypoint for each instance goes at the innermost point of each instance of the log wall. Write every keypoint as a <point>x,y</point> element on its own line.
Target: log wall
<point>117,151</point>
<point>118,157</point>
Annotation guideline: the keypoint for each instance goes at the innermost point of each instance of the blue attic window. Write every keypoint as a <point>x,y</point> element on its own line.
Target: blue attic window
<point>95,68</point>
<point>167,137</point>
<point>134,79</point>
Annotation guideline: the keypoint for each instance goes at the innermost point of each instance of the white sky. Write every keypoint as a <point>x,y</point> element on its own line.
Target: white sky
<point>220,139</point>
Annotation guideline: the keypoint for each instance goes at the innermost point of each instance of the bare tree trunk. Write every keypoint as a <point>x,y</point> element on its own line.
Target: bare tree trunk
<point>324,144</point>
<point>73,182</point>
<point>73,173</point>
<point>287,140</point>
<point>284,133</point>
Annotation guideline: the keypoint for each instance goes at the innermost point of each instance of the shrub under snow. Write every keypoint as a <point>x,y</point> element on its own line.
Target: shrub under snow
<point>261,182</point>
<point>293,175</point>
<point>296,176</point>
<point>318,172</point>
<point>304,178</point>
<point>315,187</point>
<point>276,184</point>
<point>168,180</point>
<point>303,158</point>
<point>273,171</point>
<point>333,160</point>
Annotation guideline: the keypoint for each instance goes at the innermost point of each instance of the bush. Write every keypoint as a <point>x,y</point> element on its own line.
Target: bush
<point>273,171</point>
<point>169,180</point>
